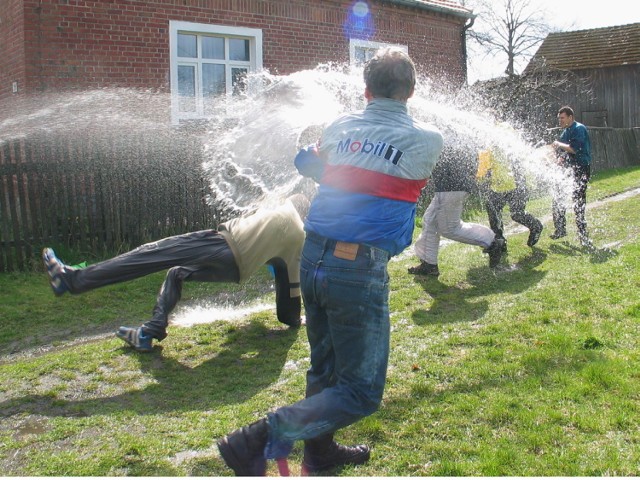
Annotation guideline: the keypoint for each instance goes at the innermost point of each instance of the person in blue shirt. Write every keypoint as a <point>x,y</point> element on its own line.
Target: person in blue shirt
<point>573,150</point>
<point>371,166</point>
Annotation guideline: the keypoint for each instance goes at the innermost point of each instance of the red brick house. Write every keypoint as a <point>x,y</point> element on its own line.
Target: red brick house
<point>199,48</point>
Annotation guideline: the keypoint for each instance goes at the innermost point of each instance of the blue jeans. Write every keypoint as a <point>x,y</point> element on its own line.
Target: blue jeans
<point>347,309</point>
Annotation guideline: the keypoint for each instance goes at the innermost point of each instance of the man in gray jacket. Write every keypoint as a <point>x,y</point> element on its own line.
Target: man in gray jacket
<point>230,254</point>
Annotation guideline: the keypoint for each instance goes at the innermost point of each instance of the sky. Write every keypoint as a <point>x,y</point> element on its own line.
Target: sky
<point>567,15</point>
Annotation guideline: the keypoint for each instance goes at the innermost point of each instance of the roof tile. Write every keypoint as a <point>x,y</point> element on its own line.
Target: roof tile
<point>594,48</point>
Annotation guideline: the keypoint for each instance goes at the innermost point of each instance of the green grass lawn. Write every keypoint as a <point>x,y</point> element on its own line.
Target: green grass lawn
<point>529,370</point>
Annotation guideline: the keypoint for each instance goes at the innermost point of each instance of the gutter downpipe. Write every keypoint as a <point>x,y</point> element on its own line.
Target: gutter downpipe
<point>463,34</point>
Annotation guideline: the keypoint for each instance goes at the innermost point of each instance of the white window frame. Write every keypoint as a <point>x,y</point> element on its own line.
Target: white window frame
<point>201,29</point>
<point>355,43</point>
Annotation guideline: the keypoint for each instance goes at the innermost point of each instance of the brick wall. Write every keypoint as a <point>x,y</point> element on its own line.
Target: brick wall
<point>91,44</point>
<point>12,59</point>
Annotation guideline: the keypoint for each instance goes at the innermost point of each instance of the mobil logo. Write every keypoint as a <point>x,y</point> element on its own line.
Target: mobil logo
<point>379,149</point>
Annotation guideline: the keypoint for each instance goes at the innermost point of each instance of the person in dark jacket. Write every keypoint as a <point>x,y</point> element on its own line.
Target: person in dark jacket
<point>574,155</point>
<point>232,253</point>
<point>454,178</point>
<point>502,182</point>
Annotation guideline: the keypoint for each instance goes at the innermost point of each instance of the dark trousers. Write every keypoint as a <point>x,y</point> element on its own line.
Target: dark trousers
<point>581,175</point>
<point>517,200</point>
<point>202,256</point>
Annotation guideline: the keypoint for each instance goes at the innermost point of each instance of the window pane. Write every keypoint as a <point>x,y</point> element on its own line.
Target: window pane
<point>187,88</point>
<point>186,80</point>
<point>370,53</point>
<point>213,47</point>
<point>364,54</point>
<point>360,55</point>
<point>238,49</point>
<point>187,46</point>
<point>213,81</point>
<point>239,80</point>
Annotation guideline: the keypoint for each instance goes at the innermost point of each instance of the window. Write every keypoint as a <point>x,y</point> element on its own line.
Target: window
<point>208,61</point>
<point>361,51</point>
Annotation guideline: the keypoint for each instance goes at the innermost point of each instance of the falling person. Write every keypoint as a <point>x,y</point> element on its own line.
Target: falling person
<point>232,253</point>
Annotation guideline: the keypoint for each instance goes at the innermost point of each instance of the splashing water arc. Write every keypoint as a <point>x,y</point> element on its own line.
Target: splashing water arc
<point>251,144</point>
<point>253,140</point>
<point>250,140</point>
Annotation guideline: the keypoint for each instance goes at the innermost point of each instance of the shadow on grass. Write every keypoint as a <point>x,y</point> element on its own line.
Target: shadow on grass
<point>597,255</point>
<point>250,359</point>
<point>464,303</point>
<point>38,323</point>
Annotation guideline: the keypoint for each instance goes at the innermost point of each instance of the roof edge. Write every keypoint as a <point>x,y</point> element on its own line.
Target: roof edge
<point>623,25</point>
<point>435,8</point>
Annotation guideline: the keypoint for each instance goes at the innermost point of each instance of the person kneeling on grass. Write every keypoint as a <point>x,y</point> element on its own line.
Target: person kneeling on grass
<point>232,253</point>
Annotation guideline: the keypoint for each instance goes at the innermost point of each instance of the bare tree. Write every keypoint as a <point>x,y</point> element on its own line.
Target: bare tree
<point>530,101</point>
<point>508,27</point>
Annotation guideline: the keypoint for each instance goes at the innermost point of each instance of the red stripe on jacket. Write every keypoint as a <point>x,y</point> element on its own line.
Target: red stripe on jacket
<point>360,180</point>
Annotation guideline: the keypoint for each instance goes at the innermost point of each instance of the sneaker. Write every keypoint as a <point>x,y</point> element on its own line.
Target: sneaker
<point>534,234</point>
<point>243,450</point>
<point>55,269</point>
<point>333,455</point>
<point>425,269</point>
<point>136,338</point>
<point>495,251</point>
<point>558,234</point>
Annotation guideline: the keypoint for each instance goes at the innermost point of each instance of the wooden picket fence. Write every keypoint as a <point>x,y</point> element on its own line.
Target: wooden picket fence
<point>97,195</point>
<point>614,147</point>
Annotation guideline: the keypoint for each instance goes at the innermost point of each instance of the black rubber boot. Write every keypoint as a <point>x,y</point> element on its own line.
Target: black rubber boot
<point>243,450</point>
<point>584,239</point>
<point>322,453</point>
<point>558,234</point>
<point>495,251</point>
<point>559,224</point>
<point>534,234</point>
